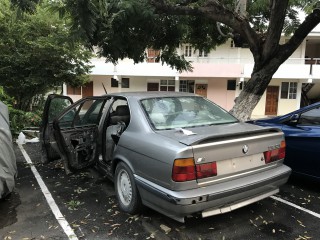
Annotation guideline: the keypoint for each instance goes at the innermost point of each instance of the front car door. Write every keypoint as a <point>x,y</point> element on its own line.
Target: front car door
<point>76,132</point>
<point>54,106</point>
<point>303,140</point>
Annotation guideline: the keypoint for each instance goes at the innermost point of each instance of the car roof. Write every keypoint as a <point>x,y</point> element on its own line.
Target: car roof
<point>151,94</point>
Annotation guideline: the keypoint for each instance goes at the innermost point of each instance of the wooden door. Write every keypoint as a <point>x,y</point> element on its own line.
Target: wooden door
<point>201,89</point>
<point>87,90</point>
<point>272,100</point>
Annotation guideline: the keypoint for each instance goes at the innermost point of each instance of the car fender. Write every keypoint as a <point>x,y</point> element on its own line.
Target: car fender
<point>118,157</point>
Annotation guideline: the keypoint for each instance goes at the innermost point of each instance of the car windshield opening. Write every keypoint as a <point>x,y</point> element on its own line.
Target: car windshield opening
<point>184,112</point>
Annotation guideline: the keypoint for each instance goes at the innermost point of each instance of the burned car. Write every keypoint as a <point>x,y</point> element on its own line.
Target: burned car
<point>177,153</point>
<point>8,167</point>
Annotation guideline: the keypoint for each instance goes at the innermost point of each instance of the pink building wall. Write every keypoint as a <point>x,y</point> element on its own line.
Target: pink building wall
<point>218,93</point>
<point>214,70</point>
<point>217,76</point>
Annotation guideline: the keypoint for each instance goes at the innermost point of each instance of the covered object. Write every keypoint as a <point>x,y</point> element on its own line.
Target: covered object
<point>8,167</point>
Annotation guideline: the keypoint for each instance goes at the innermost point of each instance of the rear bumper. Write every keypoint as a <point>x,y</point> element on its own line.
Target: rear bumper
<point>214,199</point>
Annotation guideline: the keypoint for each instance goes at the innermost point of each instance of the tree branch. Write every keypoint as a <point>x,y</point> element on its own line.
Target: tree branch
<point>311,21</point>
<point>215,11</point>
<point>278,10</point>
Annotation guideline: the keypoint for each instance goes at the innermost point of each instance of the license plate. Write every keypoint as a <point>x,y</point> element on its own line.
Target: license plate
<point>240,164</point>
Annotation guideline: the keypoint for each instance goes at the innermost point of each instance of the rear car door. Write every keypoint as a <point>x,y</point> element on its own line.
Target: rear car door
<point>54,106</point>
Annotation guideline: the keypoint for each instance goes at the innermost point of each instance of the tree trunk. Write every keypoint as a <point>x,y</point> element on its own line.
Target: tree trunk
<point>251,93</point>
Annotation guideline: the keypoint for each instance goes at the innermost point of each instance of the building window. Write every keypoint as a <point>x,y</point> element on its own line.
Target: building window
<point>231,85</point>
<point>188,51</point>
<point>153,55</point>
<point>167,85</point>
<point>289,90</point>
<point>73,90</point>
<point>242,84</point>
<point>203,53</point>
<point>186,86</point>
<point>125,83</point>
<point>114,82</point>
<point>152,86</point>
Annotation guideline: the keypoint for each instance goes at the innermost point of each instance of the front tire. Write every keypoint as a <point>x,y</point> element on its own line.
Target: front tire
<point>126,189</point>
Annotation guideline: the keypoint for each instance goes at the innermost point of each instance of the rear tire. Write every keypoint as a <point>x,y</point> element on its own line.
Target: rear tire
<point>126,190</point>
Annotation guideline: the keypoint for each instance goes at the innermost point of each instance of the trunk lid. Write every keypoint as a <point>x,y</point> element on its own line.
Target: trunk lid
<point>236,148</point>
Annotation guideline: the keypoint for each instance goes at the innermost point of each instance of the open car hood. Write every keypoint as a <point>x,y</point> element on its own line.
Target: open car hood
<point>208,133</point>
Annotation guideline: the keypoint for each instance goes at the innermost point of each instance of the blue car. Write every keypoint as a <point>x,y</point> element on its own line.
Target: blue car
<point>302,134</point>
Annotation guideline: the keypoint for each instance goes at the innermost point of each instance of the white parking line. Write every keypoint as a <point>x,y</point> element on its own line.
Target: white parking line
<point>296,206</point>
<point>52,204</point>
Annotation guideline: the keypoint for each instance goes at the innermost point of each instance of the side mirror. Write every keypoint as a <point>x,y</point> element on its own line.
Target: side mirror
<point>294,119</point>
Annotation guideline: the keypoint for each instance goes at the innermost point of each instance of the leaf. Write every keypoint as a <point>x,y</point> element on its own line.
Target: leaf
<point>165,228</point>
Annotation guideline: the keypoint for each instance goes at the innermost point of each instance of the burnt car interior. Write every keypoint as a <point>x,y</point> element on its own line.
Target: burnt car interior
<point>79,131</point>
<point>118,121</point>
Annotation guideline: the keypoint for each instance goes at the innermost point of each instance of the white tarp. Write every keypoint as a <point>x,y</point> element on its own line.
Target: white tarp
<point>8,167</point>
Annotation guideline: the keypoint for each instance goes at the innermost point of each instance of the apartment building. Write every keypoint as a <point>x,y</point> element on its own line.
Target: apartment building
<point>218,75</point>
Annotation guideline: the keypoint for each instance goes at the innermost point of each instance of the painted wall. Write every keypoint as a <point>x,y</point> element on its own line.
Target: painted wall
<point>218,93</point>
<point>135,84</point>
<point>286,105</point>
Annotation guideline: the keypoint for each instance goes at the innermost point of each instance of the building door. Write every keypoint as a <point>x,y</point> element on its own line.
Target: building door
<point>153,87</point>
<point>272,100</point>
<point>87,90</point>
<point>201,89</point>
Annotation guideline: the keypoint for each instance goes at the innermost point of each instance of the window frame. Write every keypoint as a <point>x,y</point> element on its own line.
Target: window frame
<point>165,86</point>
<point>188,51</point>
<point>289,90</point>
<point>125,82</point>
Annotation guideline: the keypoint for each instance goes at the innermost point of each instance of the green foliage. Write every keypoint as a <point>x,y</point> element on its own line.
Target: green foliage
<point>5,98</point>
<point>122,29</point>
<point>126,28</point>
<point>38,53</point>
<point>20,120</point>
<point>26,5</point>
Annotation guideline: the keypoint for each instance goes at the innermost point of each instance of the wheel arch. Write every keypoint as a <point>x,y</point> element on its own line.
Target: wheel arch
<point>120,158</point>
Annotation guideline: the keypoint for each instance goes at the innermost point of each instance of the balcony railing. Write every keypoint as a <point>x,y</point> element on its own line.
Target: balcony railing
<point>225,60</point>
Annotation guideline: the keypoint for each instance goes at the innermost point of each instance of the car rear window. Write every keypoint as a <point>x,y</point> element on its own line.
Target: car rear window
<point>183,112</point>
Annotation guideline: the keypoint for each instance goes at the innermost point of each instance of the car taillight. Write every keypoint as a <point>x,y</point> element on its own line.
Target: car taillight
<point>183,170</point>
<point>186,170</point>
<point>207,170</point>
<point>276,154</point>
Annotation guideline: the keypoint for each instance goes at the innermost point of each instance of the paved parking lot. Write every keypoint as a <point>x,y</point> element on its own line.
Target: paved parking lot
<point>83,206</point>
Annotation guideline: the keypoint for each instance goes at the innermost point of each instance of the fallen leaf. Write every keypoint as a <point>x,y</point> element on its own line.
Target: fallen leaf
<point>165,228</point>
<point>115,225</point>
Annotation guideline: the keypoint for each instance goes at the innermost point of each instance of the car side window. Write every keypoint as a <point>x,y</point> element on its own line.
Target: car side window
<point>90,112</point>
<point>56,107</point>
<point>311,117</point>
<point>119,112</point>
<point>87,113</point>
